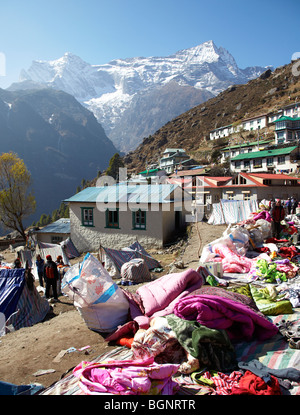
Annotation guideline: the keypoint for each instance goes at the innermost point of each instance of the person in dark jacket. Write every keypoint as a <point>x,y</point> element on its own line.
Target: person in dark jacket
<point>288,205</point>
<point>277,214</point>
<point>51,277</point>
<point>294,205</point>
<point>40,269</point>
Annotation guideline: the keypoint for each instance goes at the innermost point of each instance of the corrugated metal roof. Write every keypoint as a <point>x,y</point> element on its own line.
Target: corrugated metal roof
<point>89,194</point>
<point>62,225</point>
<point>266,153</point>
<point>123,193</point>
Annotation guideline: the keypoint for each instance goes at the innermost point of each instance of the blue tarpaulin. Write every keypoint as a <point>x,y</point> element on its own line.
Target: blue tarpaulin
<point>12,282</point>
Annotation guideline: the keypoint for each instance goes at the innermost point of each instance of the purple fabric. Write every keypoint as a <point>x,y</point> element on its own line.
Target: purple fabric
<point>240,321</point>
<point>263,215</point>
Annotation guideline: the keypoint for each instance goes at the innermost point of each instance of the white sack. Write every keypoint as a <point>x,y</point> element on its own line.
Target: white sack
<point>101,303</point>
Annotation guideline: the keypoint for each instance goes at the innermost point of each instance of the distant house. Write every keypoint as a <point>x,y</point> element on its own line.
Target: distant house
<point>287,129</point>
<point>221,132</point>
<point>291,110</point>
<point>282,160</point>
<point>255,123</point>
<point>116,216</point>
<point>235,150</point>
<point>248,124</point>
<point>259,186</point>
<point>55,232</point>
<point>172,159</point>
<point>244,186</point>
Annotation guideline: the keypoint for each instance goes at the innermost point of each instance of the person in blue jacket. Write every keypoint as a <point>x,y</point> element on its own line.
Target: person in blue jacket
<point>40,269</point>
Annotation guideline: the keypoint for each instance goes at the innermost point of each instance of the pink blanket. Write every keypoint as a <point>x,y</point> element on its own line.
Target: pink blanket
<point>231,261</point>
<point>126,377</point>
<point>159,296</point>
<point>240,321</point>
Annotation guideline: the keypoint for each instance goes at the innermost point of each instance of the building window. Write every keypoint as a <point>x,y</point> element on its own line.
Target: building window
<point>281,159</point>
<point>112,218</point>
<point>270,161</point>
<point>243,180</point>
<point>246,196</point>
<point>139,219</point>
<point>257,164</point>
<point>247,164</point>
<point>280,125</point>
<point>230,196</point>
<point>87,216</point>
<point>56,239</point>
<point>237,164</point>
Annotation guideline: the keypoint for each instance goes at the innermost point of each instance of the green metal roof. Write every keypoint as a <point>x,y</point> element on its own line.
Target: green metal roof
<point>264,153</point>
<point>253,143</point>
<point>286,118</point>
<point>150,171</point>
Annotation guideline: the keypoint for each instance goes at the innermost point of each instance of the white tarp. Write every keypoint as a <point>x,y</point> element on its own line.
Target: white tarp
<point>231,211</point>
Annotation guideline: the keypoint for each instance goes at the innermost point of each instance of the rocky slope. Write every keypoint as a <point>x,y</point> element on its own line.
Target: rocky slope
<point>190,131</point>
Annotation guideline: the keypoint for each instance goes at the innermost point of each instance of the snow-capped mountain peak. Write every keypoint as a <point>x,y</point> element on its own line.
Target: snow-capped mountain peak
<point>111,90</point>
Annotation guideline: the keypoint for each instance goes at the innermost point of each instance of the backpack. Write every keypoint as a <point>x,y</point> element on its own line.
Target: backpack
<point>49,272</point>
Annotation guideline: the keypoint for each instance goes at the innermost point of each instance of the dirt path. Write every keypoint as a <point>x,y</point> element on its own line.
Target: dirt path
<point>29,350</point>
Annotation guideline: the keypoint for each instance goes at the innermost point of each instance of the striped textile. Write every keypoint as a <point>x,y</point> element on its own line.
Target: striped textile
<point>31,309</point>
<point>119,257</point>
<point>232,211</point>
<point>69,248</point>
<point>224,383</point>
<point>274,353</point>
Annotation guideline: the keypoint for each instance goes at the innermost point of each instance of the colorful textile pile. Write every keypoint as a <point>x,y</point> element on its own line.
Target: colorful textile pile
<point>269,271</point>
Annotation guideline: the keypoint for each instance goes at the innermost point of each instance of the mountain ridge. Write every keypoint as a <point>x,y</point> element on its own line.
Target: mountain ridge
<point>110,90</point>
<point>60,141</point>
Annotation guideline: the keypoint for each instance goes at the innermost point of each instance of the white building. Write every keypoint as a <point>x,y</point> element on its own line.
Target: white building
<point>221,132</point>
<point>277,160</point>
<point>172,159</point>
<point>235,150</point>
<point>118,215</point>
<point>255,123</point>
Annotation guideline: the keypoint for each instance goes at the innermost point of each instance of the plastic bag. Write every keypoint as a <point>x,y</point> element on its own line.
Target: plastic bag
<point>99,300</point>
<point>264,227</point>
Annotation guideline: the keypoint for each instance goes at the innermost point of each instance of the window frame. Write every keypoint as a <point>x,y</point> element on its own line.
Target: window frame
<point>87,222</point>
<point>113,224</point>
<point>137,225</point>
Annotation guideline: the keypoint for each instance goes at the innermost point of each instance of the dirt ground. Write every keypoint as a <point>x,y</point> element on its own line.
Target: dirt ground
<point>26,354</point>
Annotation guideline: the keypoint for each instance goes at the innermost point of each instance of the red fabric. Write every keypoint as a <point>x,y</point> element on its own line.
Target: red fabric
<point>288,251</point>
<point>125,341</point>
<point>250,384</point>
<point>263,249</point>
<point>275,240</point>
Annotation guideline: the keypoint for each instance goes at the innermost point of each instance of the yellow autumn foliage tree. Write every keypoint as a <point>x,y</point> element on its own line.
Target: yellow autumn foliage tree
<point>16,201</point>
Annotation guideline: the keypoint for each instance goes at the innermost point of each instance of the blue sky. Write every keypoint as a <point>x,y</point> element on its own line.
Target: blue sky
<point>255,32</point>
